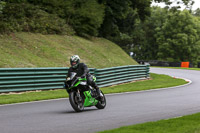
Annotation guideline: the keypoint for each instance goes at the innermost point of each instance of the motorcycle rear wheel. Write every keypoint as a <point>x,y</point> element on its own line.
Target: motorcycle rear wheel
<point>102,102</point>
<point>76,102</point>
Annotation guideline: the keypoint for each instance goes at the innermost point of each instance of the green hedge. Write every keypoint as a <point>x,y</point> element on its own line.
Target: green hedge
<point>52,16</point>
<point>29,18</point>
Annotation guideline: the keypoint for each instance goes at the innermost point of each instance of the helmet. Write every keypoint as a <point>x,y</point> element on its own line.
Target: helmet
<point>74,61</point>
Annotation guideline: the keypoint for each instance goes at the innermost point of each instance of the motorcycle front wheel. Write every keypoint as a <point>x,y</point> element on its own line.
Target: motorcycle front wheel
<point>76,101</point>
<point>102,102</point>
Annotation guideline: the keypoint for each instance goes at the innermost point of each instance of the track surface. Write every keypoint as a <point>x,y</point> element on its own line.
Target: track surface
<point>57,116</point>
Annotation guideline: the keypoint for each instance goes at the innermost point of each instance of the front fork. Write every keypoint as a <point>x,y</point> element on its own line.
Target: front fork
<point>80,99</point>
<point>78,93</point>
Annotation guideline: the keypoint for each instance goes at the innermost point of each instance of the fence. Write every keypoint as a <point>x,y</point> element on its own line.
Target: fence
<point>27,79</point>
<point>165,63</point>
<point>117,75</point>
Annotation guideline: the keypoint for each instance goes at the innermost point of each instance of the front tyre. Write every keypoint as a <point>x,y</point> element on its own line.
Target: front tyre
<point>102,102</point>
<point>76,101</point>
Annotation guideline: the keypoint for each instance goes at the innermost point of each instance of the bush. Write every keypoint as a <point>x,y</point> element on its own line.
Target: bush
<point>2,5</point>
<point>86,16</point>
<point>26,17</point>
<point>53,16</point>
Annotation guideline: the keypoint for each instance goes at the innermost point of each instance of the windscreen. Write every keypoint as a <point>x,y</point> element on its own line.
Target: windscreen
<point>72,75</point>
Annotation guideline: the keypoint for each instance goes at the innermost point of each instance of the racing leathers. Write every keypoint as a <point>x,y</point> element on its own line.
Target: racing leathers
<point>83,71</point>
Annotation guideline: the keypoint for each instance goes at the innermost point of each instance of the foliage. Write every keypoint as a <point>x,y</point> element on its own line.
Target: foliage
<point>29,18</point>
<point>121,15</point>
<point>115,11</point>
<point>151,33</point>
<point>170,4</point>
<point>145,46</point>
<point>197,12</point>
<point>86,16</point>
<point>167,35</point>
<point>178,38</point>
<point>2,5</point>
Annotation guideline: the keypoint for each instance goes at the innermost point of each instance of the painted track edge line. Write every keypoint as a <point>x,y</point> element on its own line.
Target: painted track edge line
<point>159,89</point>
<point>34,102</point>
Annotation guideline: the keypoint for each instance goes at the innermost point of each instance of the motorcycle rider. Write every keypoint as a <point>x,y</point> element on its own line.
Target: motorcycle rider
<point>82,71</point>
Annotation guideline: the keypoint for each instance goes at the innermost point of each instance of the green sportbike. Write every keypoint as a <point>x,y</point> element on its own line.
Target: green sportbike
<point>83,95</point>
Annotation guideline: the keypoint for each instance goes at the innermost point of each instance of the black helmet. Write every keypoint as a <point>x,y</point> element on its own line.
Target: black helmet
<point>74,61</point>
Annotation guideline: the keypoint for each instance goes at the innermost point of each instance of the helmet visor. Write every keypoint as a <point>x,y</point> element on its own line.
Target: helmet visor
<point>73,63</point>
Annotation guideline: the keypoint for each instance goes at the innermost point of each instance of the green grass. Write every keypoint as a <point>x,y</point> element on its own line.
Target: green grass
<point>185,124</point>
<point>198,69</point>
<point>37,50</point>
<point>157,81</point>
<point>32,96</point>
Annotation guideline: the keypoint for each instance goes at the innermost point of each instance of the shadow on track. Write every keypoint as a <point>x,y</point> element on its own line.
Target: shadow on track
<point>71,111</point>
<point>85,110</point>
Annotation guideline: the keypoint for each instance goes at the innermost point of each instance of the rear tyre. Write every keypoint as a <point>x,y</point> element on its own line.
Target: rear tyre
<point>76,101</point>
<point>102,102</point>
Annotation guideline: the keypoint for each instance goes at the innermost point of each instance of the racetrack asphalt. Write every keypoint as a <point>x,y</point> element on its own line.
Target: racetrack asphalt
<point>57,116</point>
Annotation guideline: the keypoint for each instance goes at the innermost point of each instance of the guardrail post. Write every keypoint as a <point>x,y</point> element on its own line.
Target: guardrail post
<point>148,69</point>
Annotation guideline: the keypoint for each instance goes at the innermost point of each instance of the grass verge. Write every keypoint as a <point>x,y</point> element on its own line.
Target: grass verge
<point>158,81</point>
<point>185,124</point>
<point>38,50</point>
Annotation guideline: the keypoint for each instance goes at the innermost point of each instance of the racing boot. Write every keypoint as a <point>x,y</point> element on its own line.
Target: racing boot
<point>99,95</point>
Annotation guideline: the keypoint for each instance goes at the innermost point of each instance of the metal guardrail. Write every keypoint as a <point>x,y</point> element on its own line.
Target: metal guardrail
<point>122,74</point>
<point>27,79</point>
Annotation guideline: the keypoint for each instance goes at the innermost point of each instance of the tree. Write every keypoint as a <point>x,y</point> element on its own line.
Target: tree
<point>197,12</point>
<point>121,15</point>
<point>155,21</point>
<point>188,3</point>
<point>2,5</point>
<point>86,16</point>
<point>178,38</point>
<point>122,18</point>
<point>114,11</point>
<point>144,35</point>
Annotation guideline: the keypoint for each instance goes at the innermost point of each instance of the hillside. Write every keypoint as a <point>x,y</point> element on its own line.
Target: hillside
<point>38,50</point>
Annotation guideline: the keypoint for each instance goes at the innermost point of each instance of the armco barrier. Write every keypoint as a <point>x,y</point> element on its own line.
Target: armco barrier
<point>117,75</point>
<point>27,79</point>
